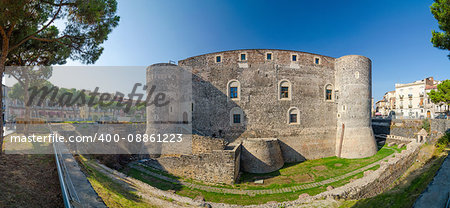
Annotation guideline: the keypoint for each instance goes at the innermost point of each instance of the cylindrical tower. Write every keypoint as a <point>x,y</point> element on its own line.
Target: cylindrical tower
<point>354,138</point>
<point>261,155</point>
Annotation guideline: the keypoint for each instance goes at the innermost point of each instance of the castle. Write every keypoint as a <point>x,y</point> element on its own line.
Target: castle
<point>276,106</point>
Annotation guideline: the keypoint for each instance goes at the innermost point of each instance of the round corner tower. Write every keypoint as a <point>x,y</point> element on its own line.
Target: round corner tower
<point>354,137</point>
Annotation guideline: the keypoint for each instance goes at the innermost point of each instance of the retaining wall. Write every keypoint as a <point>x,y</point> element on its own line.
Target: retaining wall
<point>379,180</point>
<point>219,166</point>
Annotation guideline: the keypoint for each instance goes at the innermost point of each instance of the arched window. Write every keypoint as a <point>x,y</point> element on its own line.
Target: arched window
<point>234,90</point>
<point>284,90</point>
<point>236,117</point>
<point>329,92</point>
<point>293,116</point>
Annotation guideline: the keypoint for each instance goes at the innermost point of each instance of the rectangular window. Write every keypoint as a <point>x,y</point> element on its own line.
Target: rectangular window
<point>233,92</point>
<point>236,118</point>
<point>218,59</point>
<point>284,92</point>
<point>292,118</point>
<point>316,60</point>
<point>328,94</point>
<point>243,57</point>
<point>294,57</point>
<point>269,56</point>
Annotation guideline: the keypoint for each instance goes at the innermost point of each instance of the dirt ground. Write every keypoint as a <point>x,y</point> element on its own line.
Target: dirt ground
<point>29,181</point>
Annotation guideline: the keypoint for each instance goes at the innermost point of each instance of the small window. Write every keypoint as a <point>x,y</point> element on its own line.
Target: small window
<point>233,89</point>
<point>218,59</point>
<point>243,56</point>
<point>233,92</point>
<point>294,57</point>
<point>284,92</point>
<point>237,118</point>
<point>269,56</point>
<point>317,61</point>
<point>293,118</point>
<point>329,92</point>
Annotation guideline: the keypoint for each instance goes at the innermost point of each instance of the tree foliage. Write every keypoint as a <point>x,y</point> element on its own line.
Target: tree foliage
<point>442,95</point>
<point>441,11</point>
<point>31,27</point>
<point>46,32</point>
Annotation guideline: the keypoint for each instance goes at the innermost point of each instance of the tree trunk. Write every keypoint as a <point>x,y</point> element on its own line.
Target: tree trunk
<point>27,117</point>
<point>5,48</point>
<point>2,70</point>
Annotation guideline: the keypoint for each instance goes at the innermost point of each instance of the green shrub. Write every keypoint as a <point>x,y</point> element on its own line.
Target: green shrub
<point>443,142</point>
<point>426,125</point>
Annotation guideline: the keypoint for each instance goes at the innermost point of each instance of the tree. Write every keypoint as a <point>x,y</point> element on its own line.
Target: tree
<point>24,24</point>
<point>442,95</point>
<point>441,11</point>
<point>27,77</point>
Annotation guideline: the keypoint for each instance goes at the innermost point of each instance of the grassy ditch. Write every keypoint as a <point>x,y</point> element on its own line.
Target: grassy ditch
<point>407,188</point>
<point>345,166</point>
<point>234,198</point>
<point>113,194</point>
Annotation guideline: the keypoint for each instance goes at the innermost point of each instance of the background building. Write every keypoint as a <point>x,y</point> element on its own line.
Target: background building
<point>411,101</point>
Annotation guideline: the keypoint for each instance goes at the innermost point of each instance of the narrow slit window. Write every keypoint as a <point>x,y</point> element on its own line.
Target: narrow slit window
<point>328,92</point>
<point>233,92</point>
<point>237,118</point>
<point>284,92</point>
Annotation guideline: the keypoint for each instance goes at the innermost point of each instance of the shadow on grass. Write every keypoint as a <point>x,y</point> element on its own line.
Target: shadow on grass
<point>112,192</point>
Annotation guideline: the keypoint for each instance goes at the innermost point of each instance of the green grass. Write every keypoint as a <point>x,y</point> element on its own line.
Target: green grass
<point>235,198</point>
<point>311,171</point>
<point>293,174</point>
<point>113,194</point>
<point>289,175</point>
<point>155,182</point>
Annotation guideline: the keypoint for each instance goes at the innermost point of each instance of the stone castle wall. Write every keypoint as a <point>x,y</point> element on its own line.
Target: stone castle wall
<point>264,114</point>
<point>219,166</point>
<point>202,144</point>
<point>354,92</point>
<point>261,155</point>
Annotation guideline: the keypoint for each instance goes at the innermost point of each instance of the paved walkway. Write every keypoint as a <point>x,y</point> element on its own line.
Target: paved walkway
<point>140,167</point>
<point>437,193</point>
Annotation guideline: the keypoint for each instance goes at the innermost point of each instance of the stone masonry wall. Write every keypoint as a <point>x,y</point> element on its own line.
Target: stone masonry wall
<point>405,127</point>
<point>264,115</point>
<point>220,166</point>
<point>439,125</point>
<point>204,144</point>
<point>379,180</point>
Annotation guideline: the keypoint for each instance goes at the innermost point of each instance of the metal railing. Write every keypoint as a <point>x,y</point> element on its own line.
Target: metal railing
<point>70,196</point>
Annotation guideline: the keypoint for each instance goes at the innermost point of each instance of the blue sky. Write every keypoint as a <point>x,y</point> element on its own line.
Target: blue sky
<point>394,34</point>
